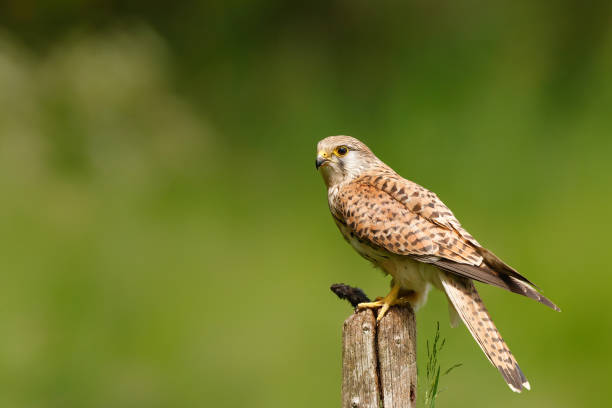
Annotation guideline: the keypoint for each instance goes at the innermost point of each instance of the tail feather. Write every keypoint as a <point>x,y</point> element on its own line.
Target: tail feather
<point>464,297</point>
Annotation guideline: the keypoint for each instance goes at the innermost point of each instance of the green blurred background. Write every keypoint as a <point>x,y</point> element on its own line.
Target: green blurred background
<point>166,240</point>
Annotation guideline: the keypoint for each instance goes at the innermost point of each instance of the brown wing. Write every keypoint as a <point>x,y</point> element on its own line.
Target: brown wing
<point>406,219</point>
<point>485,274</point>
<point>375,216</point>
<point>419,201</point>
<point>425,203</point>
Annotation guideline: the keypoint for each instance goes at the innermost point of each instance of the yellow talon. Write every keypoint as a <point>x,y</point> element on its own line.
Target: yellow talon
<point>371,305</point>
<point>385,303</point>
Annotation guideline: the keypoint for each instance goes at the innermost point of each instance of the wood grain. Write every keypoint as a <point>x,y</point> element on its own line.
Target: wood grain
<point>359,362</point>
<point>397,358</point>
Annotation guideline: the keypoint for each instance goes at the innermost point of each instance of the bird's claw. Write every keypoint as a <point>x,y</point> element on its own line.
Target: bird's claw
<point>384,304</point>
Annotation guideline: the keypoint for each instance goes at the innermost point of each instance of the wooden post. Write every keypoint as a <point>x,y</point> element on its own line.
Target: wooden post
<point>378,361</point>
<point>360,386</point>
<point>397,357</point>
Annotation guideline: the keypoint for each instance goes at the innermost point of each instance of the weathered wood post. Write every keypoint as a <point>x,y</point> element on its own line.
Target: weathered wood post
<point>378,361</point>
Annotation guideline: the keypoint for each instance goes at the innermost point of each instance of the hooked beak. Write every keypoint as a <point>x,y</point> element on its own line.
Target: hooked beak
<point>322,159</point>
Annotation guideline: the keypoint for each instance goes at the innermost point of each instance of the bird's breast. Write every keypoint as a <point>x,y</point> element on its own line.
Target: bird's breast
<point>365,249</point>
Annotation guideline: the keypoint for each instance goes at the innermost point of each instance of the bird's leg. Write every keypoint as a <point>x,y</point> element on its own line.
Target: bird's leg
<point>385,303</point>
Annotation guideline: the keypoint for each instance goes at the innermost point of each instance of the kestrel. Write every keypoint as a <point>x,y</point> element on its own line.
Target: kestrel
<point>407,232</point>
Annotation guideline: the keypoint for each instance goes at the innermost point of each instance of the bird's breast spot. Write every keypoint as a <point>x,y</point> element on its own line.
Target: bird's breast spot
<point>368,252</point>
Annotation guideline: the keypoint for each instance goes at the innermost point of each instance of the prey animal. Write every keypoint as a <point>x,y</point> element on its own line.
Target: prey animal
<point>408,232</point>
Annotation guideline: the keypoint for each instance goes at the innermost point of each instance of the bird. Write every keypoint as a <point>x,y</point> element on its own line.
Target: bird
<point>409,233</point>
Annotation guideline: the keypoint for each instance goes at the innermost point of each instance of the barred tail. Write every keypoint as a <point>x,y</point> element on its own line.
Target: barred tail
<point>464,297</point>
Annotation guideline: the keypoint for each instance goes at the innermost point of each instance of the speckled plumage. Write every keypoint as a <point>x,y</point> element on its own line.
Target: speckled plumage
<point>408,232</point>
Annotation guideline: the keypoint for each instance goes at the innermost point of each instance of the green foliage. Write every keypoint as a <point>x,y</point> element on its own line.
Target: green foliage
<point>432,371</point>
<point>166,240</point>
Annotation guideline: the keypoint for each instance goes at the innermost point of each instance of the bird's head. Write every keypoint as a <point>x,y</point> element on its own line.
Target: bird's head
<point>342,158</point>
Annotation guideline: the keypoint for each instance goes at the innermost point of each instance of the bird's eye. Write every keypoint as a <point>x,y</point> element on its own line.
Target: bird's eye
<point>341,151</point>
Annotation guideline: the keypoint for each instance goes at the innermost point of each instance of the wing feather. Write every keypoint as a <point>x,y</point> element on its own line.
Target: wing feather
<point>491,277</point>
<point>401,217</point>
